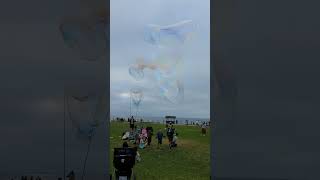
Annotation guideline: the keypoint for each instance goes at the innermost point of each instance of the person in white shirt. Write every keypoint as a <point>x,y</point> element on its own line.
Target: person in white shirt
<point>174,140</point>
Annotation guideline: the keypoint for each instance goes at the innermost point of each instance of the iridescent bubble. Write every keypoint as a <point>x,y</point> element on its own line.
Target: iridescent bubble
<point>86,38</point>
<point>166,69</point>
<point>171,89</point>
<point>136,95</point>
<point>169,36</point>
<point>82,111</point>
<point>136,71</point>
<point>169,79</point>
<point>166,66</point>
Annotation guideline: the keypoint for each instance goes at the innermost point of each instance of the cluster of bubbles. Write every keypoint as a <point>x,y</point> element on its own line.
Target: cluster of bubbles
<point>87,37</point>
<point>166,72</point>
<point>166,65</point>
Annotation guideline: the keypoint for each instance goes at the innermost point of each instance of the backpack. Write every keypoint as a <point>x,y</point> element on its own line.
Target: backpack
<point>170,132</point>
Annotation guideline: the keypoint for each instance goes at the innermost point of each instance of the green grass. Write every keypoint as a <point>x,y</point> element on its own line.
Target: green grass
<point>190,160</point>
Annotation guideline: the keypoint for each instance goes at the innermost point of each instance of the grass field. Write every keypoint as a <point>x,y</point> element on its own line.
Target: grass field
<point>190,160</point>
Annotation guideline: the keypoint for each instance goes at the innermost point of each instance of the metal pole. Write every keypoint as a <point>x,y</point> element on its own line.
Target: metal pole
<point>130,105</point>
<point>137,112</point>
<point>85,161</point>
<point>64,135</point>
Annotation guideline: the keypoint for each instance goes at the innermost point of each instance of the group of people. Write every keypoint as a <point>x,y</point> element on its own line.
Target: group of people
<point>28,178</point>
<point>142,136</point>
<point>32,178</point>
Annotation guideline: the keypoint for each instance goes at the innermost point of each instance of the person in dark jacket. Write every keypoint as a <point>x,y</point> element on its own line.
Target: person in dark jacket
<point>131,123</point>
<point>159,137</point>
<point>150,133</point>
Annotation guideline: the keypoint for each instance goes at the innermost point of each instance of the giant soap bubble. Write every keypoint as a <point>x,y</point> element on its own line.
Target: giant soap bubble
<point>168,76</point>
<point>136,95</point>
<point>171,89</point>
<point>136,70</point>
<point>88,39</point>
<point>166,70</point>
<point>82,111</point>
<point>166,65</point>
<point>171,35</point>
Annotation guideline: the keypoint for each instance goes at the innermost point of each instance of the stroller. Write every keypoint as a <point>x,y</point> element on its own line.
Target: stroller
<point>123,162</point>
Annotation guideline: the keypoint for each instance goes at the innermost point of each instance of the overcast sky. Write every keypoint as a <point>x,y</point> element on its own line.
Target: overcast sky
<point>128,19</point>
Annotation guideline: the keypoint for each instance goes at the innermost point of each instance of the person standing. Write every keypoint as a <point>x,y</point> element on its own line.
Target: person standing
<point>150,133</point>
<point>159,137</point>
<point>71,176</point>
<point>131,122</point>
<point>170,133</point>
<point>142,143</point>
<point>203,129</point>
<point>174,140</point>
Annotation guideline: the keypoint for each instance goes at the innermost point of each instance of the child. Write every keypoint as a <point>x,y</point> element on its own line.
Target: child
<point>203,129</point>
<point>137,138</point>
<point>144,132</point>
<point>141,145</point>
<point>149,132</point>
<point>159,137</point>
<point>138,157</point>
<point>174,140</point>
